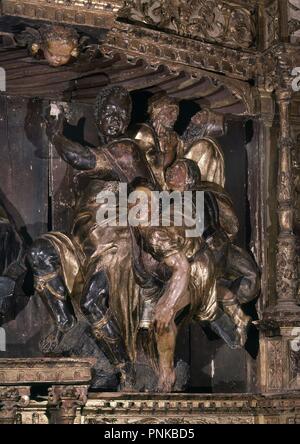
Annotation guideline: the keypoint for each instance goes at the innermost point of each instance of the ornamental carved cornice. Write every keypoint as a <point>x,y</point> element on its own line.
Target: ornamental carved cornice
<point>190,409</point>
<point>224,22</point>
<point>196,58</point>
<point>96,13</point>
<point>169,45</point>
<point>171,48</point>
<point>209,419</point>
<point>231,23</point>
<point>45,370</point>
<point>180,57</point>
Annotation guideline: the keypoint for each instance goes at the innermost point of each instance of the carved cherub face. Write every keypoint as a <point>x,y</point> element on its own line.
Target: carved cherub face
<point>59,53</point>
<point>57,44</point>
<point>113,112</point>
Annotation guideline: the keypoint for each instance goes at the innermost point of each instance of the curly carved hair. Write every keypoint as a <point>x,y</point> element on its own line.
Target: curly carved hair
<point>58,32</point>
<point>116,91</point>
<point>159,101</point>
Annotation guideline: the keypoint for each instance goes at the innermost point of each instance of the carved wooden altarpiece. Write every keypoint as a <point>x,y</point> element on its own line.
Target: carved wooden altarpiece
<point>237,58</point>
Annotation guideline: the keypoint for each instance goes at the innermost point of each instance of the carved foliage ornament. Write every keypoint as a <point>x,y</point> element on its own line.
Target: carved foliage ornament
<point>294,17</point>
<point>286,268</point>
<point>204,19</point>
<point>272,22</point>
<point>275,365</point>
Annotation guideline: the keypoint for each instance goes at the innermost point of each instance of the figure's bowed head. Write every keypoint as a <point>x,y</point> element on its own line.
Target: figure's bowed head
<point>113,112</point>
<point>183,175</point>
<point>163,109</point>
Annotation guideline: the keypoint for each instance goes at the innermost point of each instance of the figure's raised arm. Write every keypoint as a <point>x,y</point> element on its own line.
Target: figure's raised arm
<point>78,156</point>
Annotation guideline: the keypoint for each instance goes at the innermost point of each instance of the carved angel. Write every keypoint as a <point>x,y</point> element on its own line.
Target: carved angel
<point>57,45</point>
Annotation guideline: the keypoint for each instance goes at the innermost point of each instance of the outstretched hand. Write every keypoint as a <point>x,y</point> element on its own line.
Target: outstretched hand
<point>55,123</point>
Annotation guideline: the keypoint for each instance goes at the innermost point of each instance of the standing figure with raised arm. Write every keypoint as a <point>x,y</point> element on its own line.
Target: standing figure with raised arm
<point>92,263</point>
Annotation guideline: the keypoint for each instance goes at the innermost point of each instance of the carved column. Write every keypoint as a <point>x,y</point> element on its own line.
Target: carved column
<point>279,347</point>
<point>63,402</point>
<point>286,283</point>
<point>11,399</point>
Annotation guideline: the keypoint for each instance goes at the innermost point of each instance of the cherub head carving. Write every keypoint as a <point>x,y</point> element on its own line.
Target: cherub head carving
<point>58,44</point>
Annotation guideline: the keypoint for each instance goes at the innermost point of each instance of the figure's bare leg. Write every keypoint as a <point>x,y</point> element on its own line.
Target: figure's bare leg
<point>166,343</point>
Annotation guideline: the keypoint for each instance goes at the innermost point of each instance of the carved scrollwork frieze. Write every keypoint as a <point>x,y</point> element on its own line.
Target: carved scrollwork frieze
<point>216,21</point>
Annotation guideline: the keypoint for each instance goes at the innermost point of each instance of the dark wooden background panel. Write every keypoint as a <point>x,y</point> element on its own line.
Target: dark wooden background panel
<point>24,182</point>
<point>234,147</point>
<point>23,175</point>
<point>61,193</point>
<point>214,366</point>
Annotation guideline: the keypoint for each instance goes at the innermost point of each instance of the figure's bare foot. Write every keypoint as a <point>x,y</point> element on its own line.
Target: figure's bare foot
<point>50,342</point>
<point>167,379</point>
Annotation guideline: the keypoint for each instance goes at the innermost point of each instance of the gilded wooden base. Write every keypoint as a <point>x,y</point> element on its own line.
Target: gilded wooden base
<point>69,402</point>
<point>118,408</point>
<point>67,380</point>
